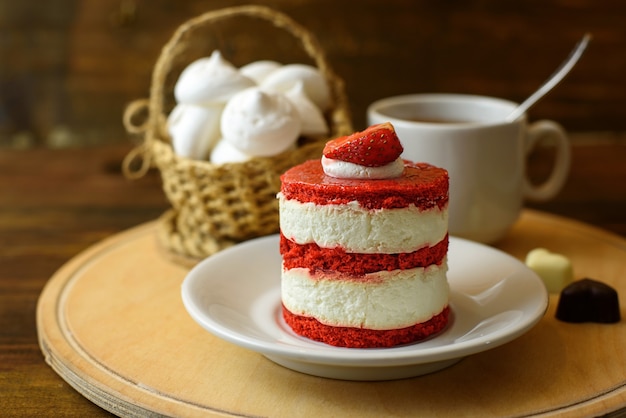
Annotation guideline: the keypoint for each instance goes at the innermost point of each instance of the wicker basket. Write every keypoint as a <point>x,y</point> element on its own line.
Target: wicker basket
<point>214,206</point>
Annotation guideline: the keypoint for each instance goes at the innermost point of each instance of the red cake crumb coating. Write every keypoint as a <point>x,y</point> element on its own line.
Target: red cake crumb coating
<point>364,338</point>
<point>421,184</point>
<point>314,257</point>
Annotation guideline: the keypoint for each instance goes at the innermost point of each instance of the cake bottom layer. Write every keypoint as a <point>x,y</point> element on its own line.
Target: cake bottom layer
<point>361,337</point>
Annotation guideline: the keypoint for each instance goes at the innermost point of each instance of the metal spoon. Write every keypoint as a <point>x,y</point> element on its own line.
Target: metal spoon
<point>553,80</point>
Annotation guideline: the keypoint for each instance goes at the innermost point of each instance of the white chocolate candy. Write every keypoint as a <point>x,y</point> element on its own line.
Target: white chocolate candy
<point>260,124</point>
<point>554,269</point>
<point>210,80</point>
<point>287,76</point>
<point>312,119</point>
<point>259,70</point>
<point>194,129</point>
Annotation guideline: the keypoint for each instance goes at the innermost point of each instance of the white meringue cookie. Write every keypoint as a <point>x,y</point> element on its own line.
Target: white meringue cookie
<point>259,70</point>
<point>315,85</point>
<point>210,80</point>
<point>259,123</point>
<point>311,118</point>
<point>225,152</point>
<point>194,129</point>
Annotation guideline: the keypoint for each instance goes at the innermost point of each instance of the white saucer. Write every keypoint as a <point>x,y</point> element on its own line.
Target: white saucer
<point>235,295</point>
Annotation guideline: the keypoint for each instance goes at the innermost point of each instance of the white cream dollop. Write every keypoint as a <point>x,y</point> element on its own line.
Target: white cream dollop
<point>210,80</point>
<point>259,123</point>
<point>287,76</point>
<point>346,170</point>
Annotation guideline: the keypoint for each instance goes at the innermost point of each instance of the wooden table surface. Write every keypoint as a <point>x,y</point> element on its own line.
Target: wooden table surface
<point>56,203</point>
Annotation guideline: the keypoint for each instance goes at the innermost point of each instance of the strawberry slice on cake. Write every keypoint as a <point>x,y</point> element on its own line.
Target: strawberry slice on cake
<point>376,146</point>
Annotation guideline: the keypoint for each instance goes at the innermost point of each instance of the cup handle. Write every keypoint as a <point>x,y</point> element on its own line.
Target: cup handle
<point>535,133</point>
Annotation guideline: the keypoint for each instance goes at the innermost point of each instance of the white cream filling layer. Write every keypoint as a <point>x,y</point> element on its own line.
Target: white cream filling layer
<point>394,299</point>
<point>360,230</point>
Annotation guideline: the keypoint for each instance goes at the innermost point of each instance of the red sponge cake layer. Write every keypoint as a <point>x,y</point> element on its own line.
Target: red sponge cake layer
<point>314,257</point>
<point>364,338</point>
<point>422,185</point>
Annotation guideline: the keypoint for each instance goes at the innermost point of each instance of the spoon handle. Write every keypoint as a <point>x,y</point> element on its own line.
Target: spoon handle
<point>553,80</point>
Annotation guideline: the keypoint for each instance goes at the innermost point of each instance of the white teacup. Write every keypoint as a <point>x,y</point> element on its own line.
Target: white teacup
<point>485,155</point>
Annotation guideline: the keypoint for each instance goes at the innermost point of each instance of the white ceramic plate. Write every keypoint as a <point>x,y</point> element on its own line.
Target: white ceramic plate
<point>235,294</point>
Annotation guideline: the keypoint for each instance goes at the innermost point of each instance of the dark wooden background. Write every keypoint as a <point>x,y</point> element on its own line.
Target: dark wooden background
<point>68,67</point>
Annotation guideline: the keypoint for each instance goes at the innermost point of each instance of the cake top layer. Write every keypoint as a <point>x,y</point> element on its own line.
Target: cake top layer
<point>420,184</point>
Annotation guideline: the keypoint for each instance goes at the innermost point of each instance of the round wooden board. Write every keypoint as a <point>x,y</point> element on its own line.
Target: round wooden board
<point>112,324</point>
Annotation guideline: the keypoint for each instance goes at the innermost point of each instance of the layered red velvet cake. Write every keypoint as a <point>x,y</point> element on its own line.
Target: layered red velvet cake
<point>364,239</point>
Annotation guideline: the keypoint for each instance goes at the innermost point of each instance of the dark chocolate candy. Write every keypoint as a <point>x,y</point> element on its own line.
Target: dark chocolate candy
<point>588,300</point>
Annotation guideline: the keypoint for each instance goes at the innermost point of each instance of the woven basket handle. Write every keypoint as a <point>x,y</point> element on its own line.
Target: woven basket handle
<point>154,126</point>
